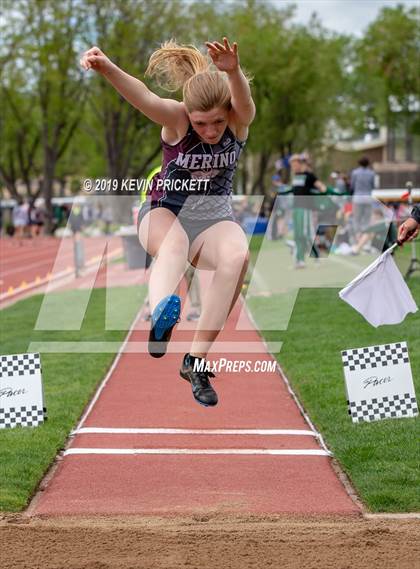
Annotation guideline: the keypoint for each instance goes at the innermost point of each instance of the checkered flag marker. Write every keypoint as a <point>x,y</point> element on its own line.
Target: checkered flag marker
<point>21,393</point>
<point>379,383</point>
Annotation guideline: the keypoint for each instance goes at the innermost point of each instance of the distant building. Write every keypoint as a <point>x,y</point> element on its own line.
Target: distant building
<point>394,154</point>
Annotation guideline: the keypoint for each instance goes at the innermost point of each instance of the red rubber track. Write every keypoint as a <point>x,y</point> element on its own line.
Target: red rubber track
<point>143,392</point>
<point>32,258</point>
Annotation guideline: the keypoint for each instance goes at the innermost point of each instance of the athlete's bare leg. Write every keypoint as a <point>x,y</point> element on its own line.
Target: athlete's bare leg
<point>223,247</point>
<point>163,237</point>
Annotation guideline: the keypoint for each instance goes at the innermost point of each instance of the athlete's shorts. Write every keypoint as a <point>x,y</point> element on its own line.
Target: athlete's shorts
<point>192,227</point>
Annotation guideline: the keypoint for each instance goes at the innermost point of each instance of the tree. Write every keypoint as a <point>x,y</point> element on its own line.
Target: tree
<point>46,52</point>
<point>297,78</point>
<point>20,137</point>
<point>18,116</point>
<point>124,134</point>
<point>386,69</point>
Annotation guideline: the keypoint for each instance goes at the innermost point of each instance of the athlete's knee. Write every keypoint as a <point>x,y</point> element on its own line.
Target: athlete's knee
<point>241,260</point>
<point>175,246</point>
<point>234,261</point>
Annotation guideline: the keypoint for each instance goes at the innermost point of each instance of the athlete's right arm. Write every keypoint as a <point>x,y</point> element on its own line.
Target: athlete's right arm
<point>165,112</point>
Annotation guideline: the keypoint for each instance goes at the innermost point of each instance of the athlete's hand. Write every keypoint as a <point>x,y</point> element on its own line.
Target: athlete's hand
<point>408,230</point>
<point>95,59</point>
<point>224,57</point>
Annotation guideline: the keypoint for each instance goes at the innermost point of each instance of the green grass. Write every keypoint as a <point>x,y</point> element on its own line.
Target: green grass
<point>69,381</point>
<point>381,458</point>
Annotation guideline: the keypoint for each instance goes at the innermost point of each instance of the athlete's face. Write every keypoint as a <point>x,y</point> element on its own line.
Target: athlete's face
<point>209,125</point>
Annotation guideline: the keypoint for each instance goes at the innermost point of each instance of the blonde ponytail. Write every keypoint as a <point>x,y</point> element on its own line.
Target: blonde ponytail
<point>175,66</point>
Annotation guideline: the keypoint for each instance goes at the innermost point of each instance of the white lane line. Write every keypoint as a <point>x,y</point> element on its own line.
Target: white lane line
<point>110,371</point>
<point>135,431</point>
<point>135,451</point>
<point>289,387</point>
<point>302,410</point>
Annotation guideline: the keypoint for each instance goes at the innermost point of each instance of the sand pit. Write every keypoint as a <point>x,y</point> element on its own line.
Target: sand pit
<point>208,542</point>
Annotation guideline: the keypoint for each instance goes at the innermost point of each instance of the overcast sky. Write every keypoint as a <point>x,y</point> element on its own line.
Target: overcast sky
<point>345,16</point>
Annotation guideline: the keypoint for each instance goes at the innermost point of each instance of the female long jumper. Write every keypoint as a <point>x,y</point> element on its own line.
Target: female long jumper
<point>188,215</point>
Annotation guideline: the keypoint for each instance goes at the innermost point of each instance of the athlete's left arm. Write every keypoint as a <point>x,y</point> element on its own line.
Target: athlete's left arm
<point>226,58</point>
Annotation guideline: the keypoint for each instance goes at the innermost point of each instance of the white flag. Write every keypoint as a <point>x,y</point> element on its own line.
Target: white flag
<point>380,293</point>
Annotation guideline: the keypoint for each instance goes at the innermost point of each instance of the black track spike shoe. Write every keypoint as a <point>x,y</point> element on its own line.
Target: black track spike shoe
<point>202,390</point>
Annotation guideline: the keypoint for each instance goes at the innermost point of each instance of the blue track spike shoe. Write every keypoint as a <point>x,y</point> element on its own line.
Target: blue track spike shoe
<point>164,317</point>
<point>202,390</point>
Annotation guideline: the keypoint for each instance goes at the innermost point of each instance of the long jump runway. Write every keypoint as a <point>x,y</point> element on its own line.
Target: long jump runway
<point>146,447</point>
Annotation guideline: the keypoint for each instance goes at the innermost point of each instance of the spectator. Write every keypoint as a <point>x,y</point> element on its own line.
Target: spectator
<point>241,209</point>
<point>76,220</point>
<point>58,216</point>
<point>35,218</point>
<point>107,218</point>
<point>303,182</point>
<point>280,206</point>
<point>194,294</point>
<point>340,182</point>
<point>88,214</point>
<point>362,184</point>
<point>345,227</point>
<point>20,218</point>
<point>378,236</point>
